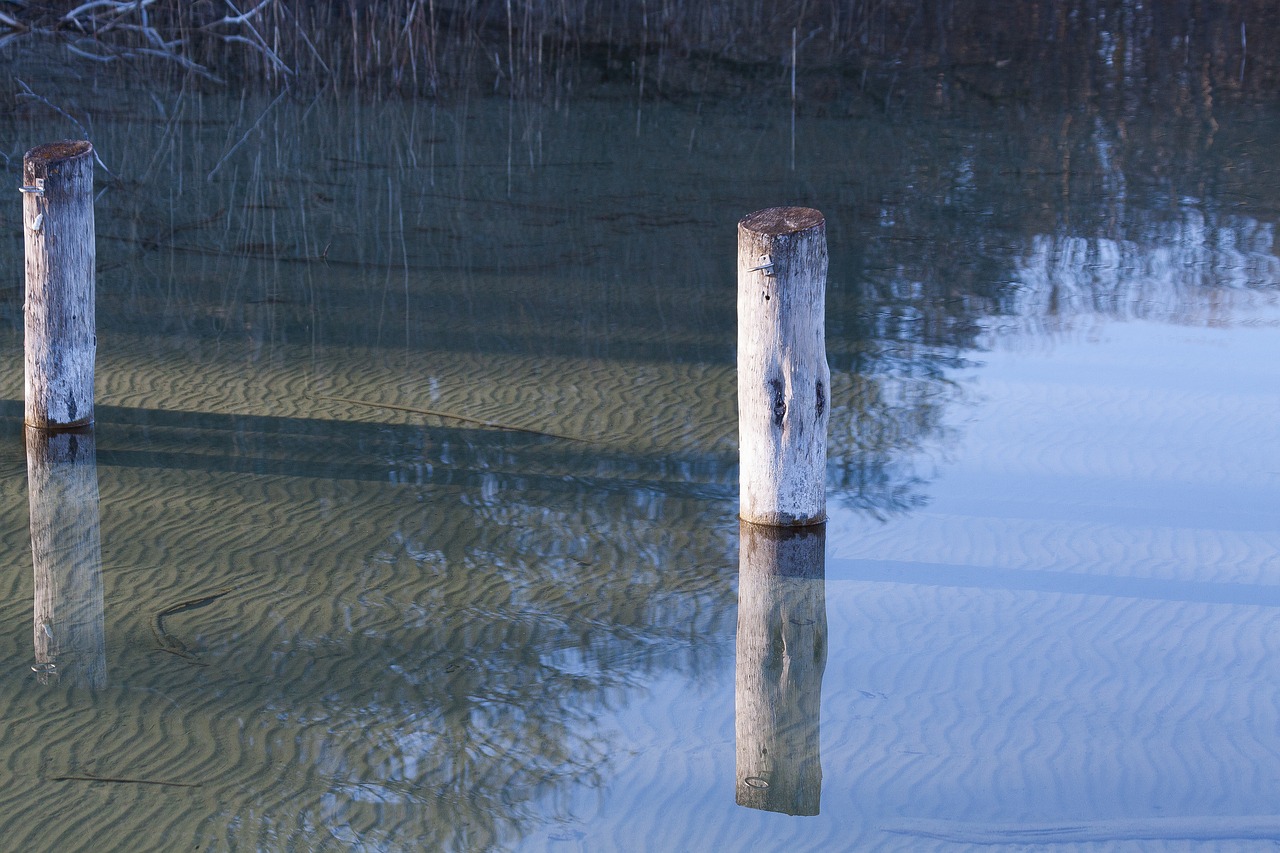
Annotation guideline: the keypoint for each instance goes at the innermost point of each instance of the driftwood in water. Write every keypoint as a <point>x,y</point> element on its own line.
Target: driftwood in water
<point>435,413</point>
<point>123,780</point>
<point>167,641</point>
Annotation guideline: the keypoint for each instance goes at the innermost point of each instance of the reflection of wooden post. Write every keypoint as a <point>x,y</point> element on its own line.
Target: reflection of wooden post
<point>57,218</point>
<point>782,652</point>
<point>66,549</point>
<point>784,383</point>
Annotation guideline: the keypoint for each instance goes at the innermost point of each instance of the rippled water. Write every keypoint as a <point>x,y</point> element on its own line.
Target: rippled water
<point>409,517</point>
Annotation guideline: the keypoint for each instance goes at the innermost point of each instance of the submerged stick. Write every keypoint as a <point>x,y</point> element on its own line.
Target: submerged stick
<point>450,416</point>
<point>167,641</point>
<point>124,780</point>
<point>185,655</point>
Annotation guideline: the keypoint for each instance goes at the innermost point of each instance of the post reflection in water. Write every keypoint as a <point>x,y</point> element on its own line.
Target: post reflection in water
<point>782,652</point>
<point>66,550</point>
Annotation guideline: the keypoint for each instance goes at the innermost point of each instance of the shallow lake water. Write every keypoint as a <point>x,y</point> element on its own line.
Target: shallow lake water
<point>409,519</point>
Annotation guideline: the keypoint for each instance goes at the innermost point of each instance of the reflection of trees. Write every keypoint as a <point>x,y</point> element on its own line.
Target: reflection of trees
<point>1180,271</point>
<point>440,250</point>
<point>1041,49</point>
<point>461,603</point>
<point>501,229</point>
<point>426,623</point>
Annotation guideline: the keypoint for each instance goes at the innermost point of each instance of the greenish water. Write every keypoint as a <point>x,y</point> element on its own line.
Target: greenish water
<point>416,488</point>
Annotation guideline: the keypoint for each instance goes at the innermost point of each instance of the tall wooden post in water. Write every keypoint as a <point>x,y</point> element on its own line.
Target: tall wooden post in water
<point>61,343</point>
<point>784,383</point>
<point>784,394</point>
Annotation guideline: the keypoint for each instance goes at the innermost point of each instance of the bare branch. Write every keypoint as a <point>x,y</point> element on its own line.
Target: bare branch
<point>28,93</point>
<point>257,42</point>
<point>243,17</point>
<point>152,35</point>
<point>247,133</point>
<point>96,57</point>
<point>262,49</point>
<point>113,30</point>
<point>181,60</point>
<point>120,7</point>
<point>307,41</point>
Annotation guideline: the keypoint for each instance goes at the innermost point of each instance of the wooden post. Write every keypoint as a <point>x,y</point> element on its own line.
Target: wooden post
<point>784,383</point>
<point>57,220</point>
<point>782,652</point>
<point>66,550</point>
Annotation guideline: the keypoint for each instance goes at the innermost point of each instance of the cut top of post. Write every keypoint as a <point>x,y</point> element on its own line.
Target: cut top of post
<point>41,160</point>
<point>778,221</point>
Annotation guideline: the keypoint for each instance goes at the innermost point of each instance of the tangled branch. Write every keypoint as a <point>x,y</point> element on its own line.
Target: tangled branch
<point>112,30</point>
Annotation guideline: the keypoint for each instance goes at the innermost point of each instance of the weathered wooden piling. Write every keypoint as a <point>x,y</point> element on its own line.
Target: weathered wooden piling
<point>58,227</point>
<point>781,656</point>
<point>784,383</point>
<point>66,551</point>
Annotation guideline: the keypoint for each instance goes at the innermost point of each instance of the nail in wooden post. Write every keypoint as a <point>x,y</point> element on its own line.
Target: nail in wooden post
<point>784,383</point>
<point>781,656</point>
<point>61,343</point>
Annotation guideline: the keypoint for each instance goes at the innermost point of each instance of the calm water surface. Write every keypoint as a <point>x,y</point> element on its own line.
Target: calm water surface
<point>409,518</point>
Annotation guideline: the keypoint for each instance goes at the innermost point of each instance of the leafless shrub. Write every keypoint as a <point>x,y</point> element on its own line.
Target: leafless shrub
<point>548,47</point>
<point>109,31</point>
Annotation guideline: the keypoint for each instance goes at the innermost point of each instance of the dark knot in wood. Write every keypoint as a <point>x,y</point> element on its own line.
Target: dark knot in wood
<point>779,401</point>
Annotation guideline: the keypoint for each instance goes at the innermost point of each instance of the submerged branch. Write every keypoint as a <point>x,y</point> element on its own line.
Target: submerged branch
<point>86,777</point>
<point>246,135</point>
<point>167,641</point>
<point>435,413</point>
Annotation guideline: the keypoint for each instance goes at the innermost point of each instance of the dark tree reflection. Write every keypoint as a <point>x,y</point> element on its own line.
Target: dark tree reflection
<point>444,391</point>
